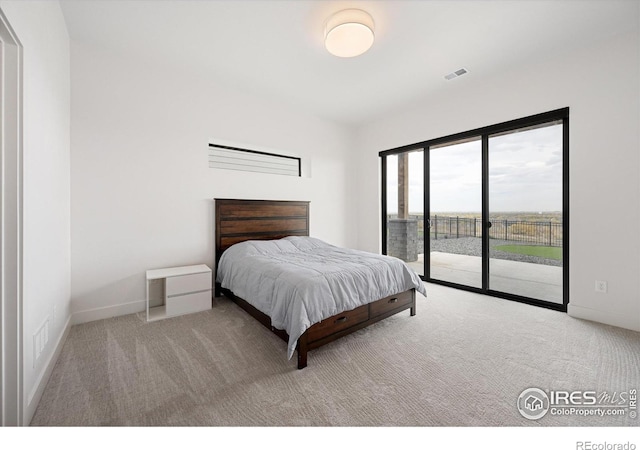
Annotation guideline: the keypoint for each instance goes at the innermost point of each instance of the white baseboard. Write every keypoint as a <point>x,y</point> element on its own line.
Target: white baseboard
<point>76,318</point>
<point>43,378</point>
<point>106,312</point>
<point>606,317</point>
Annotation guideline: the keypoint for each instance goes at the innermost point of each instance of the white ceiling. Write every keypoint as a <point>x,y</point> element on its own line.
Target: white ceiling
<point>275,48</point>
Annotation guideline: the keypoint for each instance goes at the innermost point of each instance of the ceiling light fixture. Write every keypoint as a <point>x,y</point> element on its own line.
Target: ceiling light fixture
<point>349,33</point>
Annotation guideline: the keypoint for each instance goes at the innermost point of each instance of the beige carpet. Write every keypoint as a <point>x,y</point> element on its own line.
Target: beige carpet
<point>463,360</point>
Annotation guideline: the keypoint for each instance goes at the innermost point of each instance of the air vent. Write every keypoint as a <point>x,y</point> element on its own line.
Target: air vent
<point>455,74</point>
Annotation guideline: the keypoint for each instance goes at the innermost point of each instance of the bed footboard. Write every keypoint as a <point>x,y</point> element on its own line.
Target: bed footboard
<point>336,326</point>
<point>348,322</point>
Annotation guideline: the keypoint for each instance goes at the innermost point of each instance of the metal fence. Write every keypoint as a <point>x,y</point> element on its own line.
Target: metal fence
<point>537,233</point>
<point>547,233</point>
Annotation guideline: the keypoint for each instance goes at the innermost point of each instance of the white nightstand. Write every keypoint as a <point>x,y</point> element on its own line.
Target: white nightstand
<point>178,290</point>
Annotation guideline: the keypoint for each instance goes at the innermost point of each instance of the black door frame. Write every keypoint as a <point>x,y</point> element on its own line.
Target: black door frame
<point>484,133</point>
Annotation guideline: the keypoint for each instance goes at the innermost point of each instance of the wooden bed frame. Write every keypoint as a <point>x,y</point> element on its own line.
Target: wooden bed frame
<point>242,220</point>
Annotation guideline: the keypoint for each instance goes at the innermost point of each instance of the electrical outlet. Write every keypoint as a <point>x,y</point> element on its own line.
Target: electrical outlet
<point>37,348</point>
<point>601,286</point>
<point>40,340</point>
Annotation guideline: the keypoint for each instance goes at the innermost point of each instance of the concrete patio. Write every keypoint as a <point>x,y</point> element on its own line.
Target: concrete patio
<point>538,281</point>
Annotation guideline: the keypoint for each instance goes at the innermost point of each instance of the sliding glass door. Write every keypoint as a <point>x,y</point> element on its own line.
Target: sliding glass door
<point>496,203</point>
<point>455,207</point>
<point>404,205</point>
<point>525,212</point>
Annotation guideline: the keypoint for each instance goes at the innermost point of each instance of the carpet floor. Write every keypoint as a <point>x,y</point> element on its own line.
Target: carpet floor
<point>463,360</point>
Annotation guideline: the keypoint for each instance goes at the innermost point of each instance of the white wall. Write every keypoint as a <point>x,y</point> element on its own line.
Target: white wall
<point>601,87</point>
<point>42,31</point>
<point>141,187</point>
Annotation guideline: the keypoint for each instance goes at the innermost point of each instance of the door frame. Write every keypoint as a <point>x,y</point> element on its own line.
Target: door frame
<point>561,114</point>
<point>11,227</point>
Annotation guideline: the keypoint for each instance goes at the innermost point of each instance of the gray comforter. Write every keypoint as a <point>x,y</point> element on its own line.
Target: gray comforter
<point>299,281</point>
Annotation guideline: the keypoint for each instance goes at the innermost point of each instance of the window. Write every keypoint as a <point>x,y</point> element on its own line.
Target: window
<point>235,158</point>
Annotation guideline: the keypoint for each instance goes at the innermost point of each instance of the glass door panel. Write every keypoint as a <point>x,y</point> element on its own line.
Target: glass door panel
<point>525,212</point>
<point>455,204</point>
<point>405,208</point>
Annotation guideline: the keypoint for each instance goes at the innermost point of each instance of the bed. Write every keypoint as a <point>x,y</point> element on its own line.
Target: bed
<point>306,291</point>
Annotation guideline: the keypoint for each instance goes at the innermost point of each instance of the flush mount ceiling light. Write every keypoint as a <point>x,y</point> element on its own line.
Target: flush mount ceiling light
<point>349,33</point>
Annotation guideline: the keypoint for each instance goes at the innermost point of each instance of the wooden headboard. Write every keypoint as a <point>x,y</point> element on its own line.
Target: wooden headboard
<point>244,220</point>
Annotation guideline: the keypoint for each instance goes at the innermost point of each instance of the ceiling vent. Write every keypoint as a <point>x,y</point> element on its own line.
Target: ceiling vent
<point>455,74</point>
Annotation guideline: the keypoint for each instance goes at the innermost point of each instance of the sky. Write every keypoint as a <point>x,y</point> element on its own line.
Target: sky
<point>525,174</point>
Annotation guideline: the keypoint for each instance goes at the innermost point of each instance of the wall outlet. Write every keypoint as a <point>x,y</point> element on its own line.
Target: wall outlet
<point>40,340</point>
<point>601,286</point>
